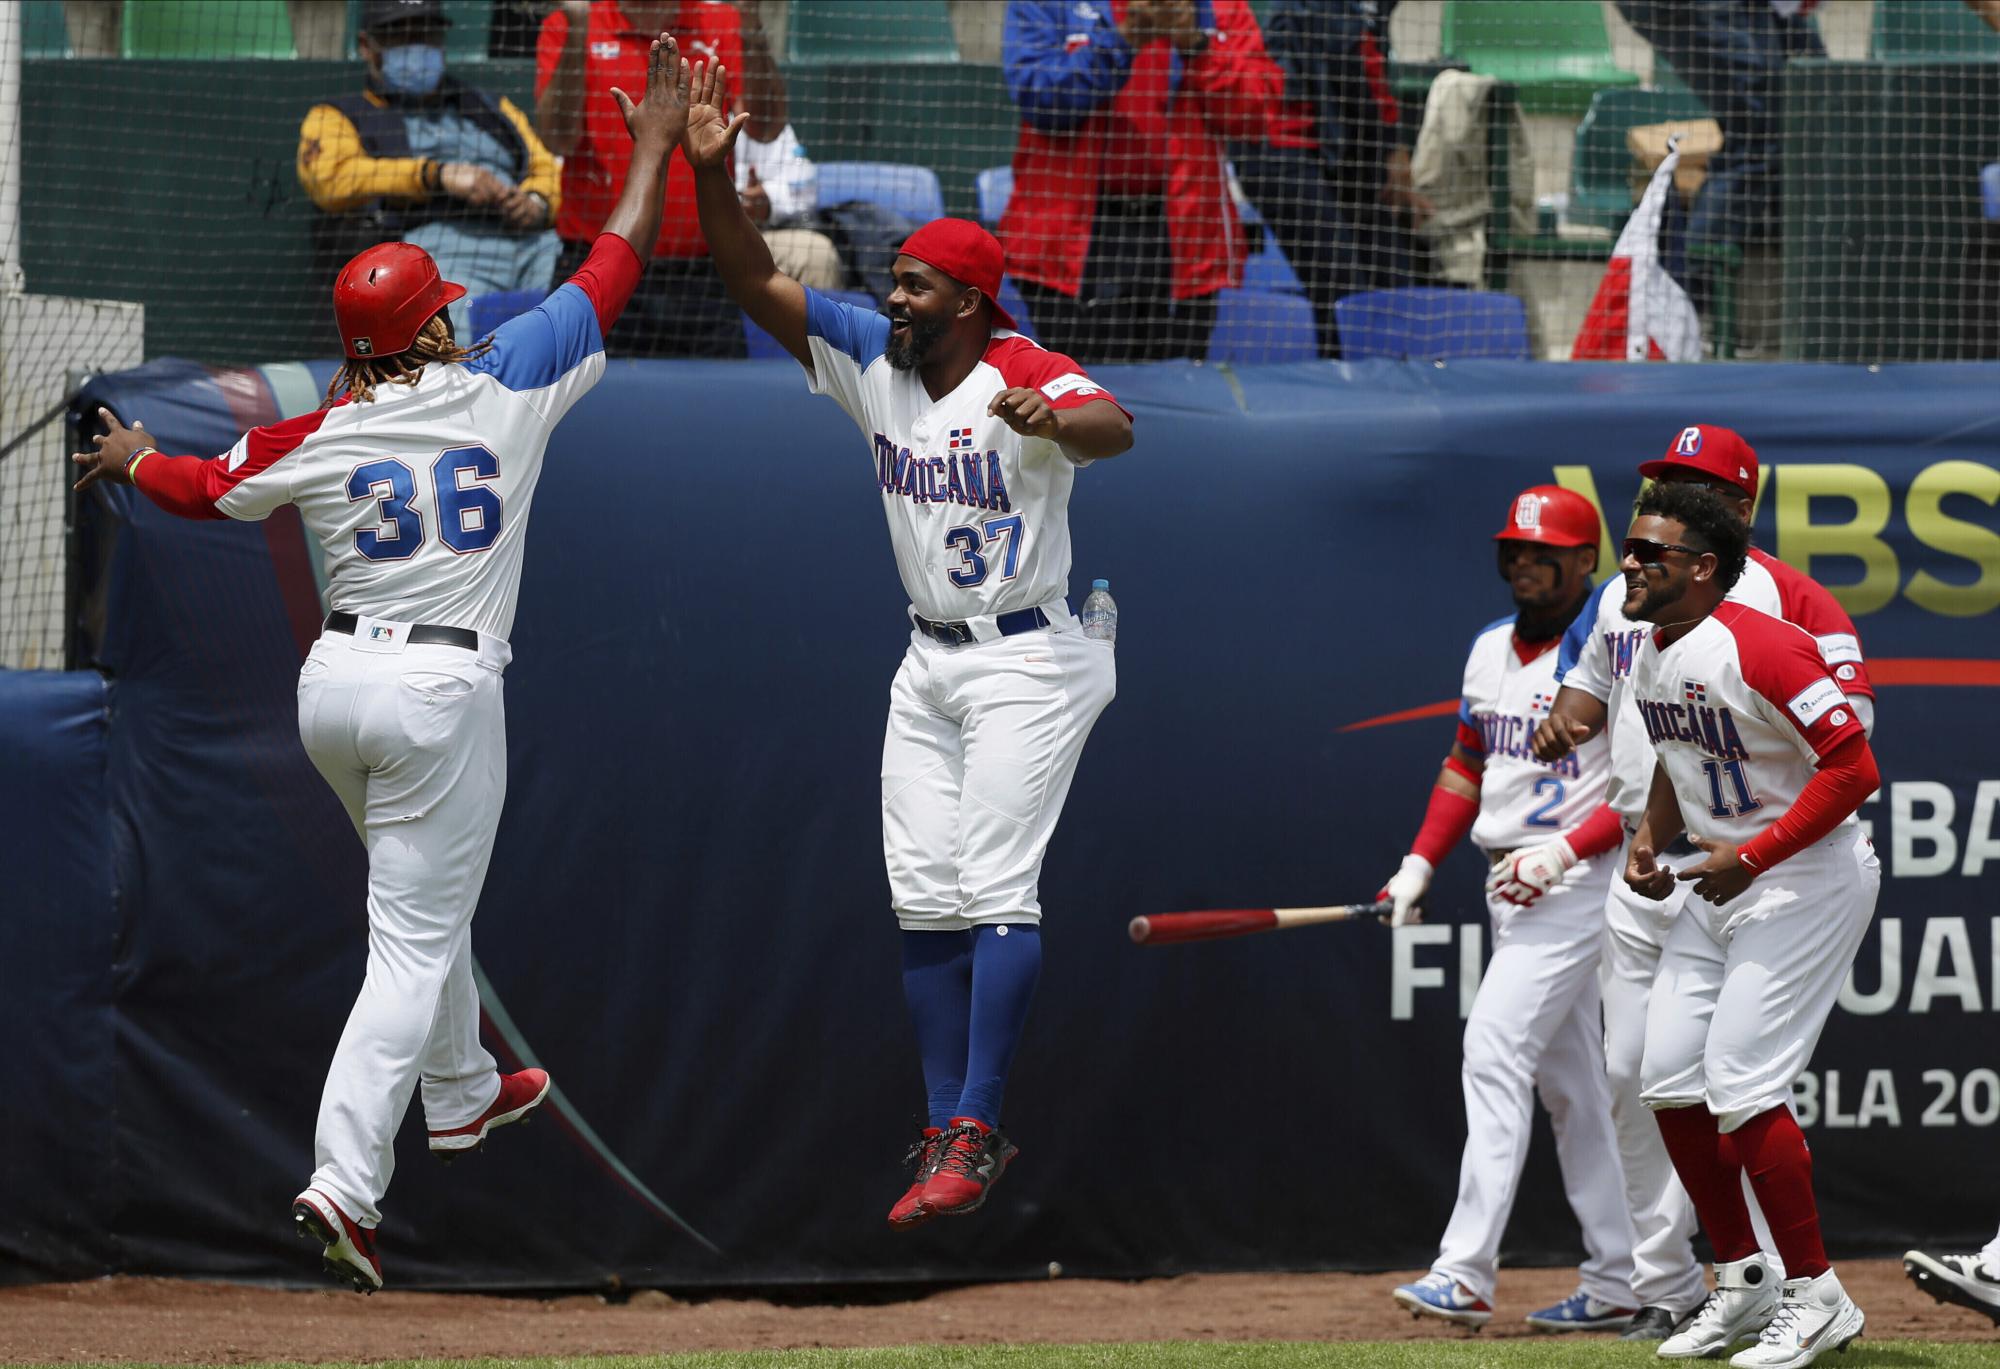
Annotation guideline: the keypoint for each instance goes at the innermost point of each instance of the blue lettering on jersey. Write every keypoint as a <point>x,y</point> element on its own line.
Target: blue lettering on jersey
<point>1508,734</point>
<point>1622,648</point>
<point>1712,729</point>
<point>942,479</point>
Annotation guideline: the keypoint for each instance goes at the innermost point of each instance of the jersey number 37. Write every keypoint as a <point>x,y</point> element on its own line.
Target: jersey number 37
<point>468,507</point>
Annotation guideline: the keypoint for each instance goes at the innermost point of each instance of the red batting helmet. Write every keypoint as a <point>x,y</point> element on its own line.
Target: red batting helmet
<point>384,297</point>
<point>1708,450</point>
<point>1552,515</point>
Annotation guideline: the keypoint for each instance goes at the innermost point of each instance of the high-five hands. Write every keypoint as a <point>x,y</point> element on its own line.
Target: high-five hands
<point>661,117</point>
<point>710,131</point>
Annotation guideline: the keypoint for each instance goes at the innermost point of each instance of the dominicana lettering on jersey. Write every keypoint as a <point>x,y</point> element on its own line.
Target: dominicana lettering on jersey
<point>969,478</point>
<point>1696,722</point>
<point>1508,734</point>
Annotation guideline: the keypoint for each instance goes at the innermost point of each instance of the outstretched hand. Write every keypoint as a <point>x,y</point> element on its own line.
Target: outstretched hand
<point>661,117</point>
<point>115,447</point>
<point>1722,876</point>
<point>710,131</point>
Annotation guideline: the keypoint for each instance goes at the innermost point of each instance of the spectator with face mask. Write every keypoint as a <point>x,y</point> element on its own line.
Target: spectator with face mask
<point>421,156</point>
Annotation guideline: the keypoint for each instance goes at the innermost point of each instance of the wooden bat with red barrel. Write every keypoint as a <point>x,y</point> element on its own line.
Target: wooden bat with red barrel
<point>1163,929</point>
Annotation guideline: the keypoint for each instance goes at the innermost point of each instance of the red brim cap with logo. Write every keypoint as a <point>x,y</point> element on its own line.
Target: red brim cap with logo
<point>968,254</point>
<point>1718,452</point>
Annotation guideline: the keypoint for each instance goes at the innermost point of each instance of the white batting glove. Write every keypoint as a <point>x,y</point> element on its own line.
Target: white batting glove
<point>1406,889</point>
<point>1531,872</point>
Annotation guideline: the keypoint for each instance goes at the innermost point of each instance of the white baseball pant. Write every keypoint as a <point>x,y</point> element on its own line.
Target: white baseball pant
<point>413,741</point>
<point>981,745</point>
<point>1744,989</point>
<point>1534,1027</point>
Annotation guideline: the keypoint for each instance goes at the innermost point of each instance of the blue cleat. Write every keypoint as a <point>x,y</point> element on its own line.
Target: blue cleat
<point>1440,1295</point>
<point>1581,1312</point>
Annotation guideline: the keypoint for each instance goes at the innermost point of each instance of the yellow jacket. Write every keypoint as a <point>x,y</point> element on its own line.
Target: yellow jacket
<point>340,175</point>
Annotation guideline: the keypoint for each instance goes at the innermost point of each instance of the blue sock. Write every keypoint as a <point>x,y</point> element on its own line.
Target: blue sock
<point>1006,963</point>
<point>937,984</point>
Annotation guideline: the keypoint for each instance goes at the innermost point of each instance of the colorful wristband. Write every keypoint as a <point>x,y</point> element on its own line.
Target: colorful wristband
<point>132,462</point>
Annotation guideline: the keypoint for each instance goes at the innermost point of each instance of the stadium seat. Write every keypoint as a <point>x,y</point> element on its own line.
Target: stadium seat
<point>203,29</point>
<point>1600,186</point>
<point>1989,191</point>
<point>994,186</point>
<point>1432,323</point>
<point>43,33</point>
<point>912,191</point>
<point>760,345</point>
<point>484,313</point>
<point>1267,267</point>
<point>1931,31</point>
<point>1254,326</point>
<point>1556,53</point>
<point>840,31</point>
<point>1010,300</point>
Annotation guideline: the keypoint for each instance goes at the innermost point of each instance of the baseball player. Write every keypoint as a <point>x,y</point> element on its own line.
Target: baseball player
<point>418,481</point>
<point>1594,668</point>
<point>1534,1022</point>
<point>1969,1280</point>
<point>1762,761</point>
<point>975,434</point>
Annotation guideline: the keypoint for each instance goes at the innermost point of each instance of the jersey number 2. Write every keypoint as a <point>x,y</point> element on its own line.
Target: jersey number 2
<point>468,508</point>
<point>972,568</point>
<point>1545,815</point>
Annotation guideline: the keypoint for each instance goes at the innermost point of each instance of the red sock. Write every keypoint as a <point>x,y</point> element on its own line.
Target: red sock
<point>1780,1168</point>
<point>1710,1175</point>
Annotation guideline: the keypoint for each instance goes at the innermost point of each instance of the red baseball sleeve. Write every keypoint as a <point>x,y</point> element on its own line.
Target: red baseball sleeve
<point>184,485</point>
<point>1596,834</point>
<point>608,276</point>
<point>1847,775</point>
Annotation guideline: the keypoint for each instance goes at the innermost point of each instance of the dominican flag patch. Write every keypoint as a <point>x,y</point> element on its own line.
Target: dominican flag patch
<point>961,439</point>
<point>1542,703</point>
<point>1695,691</point>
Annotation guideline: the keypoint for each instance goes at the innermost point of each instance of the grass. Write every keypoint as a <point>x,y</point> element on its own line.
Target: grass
<point>1423,1354</point>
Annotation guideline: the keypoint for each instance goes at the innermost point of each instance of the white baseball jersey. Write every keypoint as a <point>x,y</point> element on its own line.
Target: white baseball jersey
<point>1509,688</point>
<point>979,514</point>
<point>420,497</point>
<point>1601,645</point>
<point>1739,710</point>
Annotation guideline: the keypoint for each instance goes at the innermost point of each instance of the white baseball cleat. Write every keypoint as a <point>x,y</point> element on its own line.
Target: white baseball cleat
<point>1814,1316</point>
<point>1742,1305</point>
<point>1967,1280</point>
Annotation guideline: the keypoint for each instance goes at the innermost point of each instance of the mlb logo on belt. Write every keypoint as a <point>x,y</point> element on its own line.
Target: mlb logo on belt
<point>378,633</point>
<point>1689,443</point>
<point>1695,692</point>
<point>961,438</point>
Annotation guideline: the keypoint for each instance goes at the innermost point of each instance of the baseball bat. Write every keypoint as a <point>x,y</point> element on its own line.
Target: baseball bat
<point>1164,928</point>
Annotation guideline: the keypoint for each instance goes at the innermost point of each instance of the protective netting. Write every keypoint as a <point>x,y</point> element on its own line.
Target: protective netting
<point>1275,180</point>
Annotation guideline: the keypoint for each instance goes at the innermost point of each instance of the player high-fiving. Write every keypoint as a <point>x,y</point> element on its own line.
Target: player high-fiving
<point>418,478</point>
<point>974,435</point>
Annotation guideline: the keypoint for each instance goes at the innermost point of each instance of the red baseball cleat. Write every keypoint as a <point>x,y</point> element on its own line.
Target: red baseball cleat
<point>520,1094</point>
<point>909,1210</point>
<point>975,1156</point>
<point>350,1250</point>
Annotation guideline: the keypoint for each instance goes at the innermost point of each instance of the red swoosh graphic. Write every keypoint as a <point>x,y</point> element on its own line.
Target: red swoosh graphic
<point>1902,670</point>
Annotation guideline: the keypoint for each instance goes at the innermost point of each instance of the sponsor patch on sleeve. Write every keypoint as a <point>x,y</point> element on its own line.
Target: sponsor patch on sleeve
<point>1075,382</point>
<point>238,454</point>
<point>1836,647</point>
<point>1810,704</point>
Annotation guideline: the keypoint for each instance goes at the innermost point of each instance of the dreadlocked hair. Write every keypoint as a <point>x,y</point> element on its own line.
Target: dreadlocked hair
<point>360,375</point>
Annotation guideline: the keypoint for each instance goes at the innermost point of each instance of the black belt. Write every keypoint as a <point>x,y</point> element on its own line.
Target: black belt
<point>421,634</point>
<point>958,634</point>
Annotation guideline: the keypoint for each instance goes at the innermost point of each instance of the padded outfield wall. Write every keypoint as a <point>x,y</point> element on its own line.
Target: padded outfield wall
<point>686,920</point>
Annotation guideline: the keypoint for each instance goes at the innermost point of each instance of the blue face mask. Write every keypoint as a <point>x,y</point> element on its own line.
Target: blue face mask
<point>413,68</point>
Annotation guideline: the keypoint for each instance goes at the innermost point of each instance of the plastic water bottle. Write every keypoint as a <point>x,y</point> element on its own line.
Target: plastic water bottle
<point>1100,613</point>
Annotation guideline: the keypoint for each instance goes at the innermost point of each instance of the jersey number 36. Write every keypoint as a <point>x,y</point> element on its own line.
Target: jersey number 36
<point>468,508</point>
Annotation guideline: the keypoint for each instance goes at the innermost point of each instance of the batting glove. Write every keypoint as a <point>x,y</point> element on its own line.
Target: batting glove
<point>1406,889</point>
<point>1530,872</point>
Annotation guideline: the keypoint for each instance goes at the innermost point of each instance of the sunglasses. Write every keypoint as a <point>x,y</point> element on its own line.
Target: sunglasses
<point>1647,552</point>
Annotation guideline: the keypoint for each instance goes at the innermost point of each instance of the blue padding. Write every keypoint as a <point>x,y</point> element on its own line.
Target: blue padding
<point>1010,300</point>
<point>1989,190</point>
<point>912,191</point>
<point>1432,323</point>
<point>1254,327</point>
<point>995,186</point>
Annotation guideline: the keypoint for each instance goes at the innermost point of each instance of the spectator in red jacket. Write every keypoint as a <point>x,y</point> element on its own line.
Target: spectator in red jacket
<point>585,48</point>
<point>1120,230</point>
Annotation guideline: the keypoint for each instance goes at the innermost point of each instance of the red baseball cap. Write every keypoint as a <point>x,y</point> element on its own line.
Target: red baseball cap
<point>967,253</point>
<point>1553,515</point>
<point>1719,452</point>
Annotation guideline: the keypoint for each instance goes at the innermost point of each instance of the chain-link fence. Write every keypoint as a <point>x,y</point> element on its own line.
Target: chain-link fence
<point>1260,181</point>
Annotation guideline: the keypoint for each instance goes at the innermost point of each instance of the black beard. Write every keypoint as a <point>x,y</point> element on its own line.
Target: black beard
<point>914,350</point>
<point>1653,598</point>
